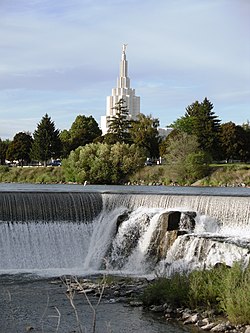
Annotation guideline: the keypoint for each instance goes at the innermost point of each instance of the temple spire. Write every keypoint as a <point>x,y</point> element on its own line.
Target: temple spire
<point>123,67</point>
<point>123,81</point>
<point>121,91</point>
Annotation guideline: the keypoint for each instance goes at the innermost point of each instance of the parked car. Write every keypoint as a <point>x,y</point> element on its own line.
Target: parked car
<point>55,163</point>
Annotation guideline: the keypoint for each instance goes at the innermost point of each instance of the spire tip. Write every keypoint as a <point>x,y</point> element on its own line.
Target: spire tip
<point>124,47</point>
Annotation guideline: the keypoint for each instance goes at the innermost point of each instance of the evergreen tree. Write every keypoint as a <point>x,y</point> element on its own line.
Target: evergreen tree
<point>3,149</point>
<point>19,149</point>
<point>144,133</point>
<point>47,143</point>
<point>201,121</point>
<point>119,124</point>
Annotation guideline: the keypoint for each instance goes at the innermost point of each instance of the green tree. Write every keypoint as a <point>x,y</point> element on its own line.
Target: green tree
<point>144,134</point>
<point>200,120</point>
<point>163,147</point>
<point>184,124</point>
<point>19,149</point>
<point>206,126</point>
<point>246,140</point>
<point>185,161</point>
<point>119,124</point>
<point>234,141</point>
<point>66,143</point>
<point>101,163</point>
<point>83,131</point>
<point>228,141</point>
<point>3,149</point>
<point>47,143</point>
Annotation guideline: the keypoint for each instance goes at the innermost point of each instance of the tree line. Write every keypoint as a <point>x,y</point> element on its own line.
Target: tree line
<point>197,138</point>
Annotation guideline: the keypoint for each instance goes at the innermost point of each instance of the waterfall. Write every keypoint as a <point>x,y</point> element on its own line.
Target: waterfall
<point>30,246</point>
<point>36,206</point>
<point>82,233</point>
<point>230,211</point>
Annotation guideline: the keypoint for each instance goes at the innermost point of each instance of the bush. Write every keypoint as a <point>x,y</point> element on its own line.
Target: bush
<point>225,290</point>
<point>172,290</point>
<point>100,163</point>
<point>205,287</point>
<point>32,174</point>
<point>185,161</point>
<point>235,294</point>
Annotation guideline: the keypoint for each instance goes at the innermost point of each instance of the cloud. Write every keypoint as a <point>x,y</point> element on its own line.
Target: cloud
<point>64,55</point>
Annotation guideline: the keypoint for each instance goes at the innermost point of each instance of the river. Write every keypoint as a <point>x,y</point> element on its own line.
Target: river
<point>39,241</point>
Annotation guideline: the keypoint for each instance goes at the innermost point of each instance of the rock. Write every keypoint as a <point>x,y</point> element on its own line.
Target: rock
<point>202,322</point>
<point>86,291</point>
<point>135,303</point>
<point>247,329</point>
<point>168,309</point>
<point>186,314</point>
<point>156,308</point>
<point>208,327</point>
<point>222,327</point>
<point>192,319</point>
<point>121,218</point>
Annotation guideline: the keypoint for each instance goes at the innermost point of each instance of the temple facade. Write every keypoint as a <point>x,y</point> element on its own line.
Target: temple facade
<point>123,91</point>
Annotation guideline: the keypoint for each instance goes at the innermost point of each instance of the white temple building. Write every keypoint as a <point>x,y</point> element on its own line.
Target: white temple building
<point>124,91</point>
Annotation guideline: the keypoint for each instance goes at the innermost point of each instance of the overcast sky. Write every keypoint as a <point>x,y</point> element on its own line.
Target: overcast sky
<point>62,57</point>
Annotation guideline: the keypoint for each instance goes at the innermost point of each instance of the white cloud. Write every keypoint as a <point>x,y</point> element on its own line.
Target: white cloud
<point>65,54</point>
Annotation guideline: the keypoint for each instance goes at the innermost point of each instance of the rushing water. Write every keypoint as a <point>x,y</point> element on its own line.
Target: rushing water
<point>55,230</point>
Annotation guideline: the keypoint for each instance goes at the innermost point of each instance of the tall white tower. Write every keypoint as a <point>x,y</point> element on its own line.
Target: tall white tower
<point>124,91</point>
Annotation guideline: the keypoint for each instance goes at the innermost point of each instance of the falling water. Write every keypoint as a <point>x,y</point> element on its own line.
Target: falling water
<point>80,233</point>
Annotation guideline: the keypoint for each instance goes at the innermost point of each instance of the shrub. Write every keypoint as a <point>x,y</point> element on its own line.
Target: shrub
<point>223,289</point>
<point>172,290</point>
<point>100,163</point>
<point>205,287</point>
<point>235,294</point>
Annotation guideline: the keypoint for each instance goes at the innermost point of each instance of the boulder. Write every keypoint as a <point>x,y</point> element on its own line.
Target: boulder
<point>247,329</point>
<point>208,327</point>
<point>192,319</point>
<point>221,327</point>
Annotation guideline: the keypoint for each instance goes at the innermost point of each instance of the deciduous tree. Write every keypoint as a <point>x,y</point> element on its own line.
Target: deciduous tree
<point>83,131</point>
<point>234,142</point>
<point>185,160</point>
<point>144,133</point>
<point>101,163</point>
<point>19,149</point>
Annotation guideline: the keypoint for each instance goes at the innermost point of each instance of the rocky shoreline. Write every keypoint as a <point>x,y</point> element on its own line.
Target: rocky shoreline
<point>128,291</point>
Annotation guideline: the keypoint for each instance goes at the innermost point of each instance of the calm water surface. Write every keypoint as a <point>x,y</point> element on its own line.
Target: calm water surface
<point>177,190</point>
<point>26,301</point>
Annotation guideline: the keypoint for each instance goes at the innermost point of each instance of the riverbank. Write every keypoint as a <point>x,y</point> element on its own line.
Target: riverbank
<point>134,292</point>
<point>221,175</point>
<point>231,175</point>
<point>34,304</point>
